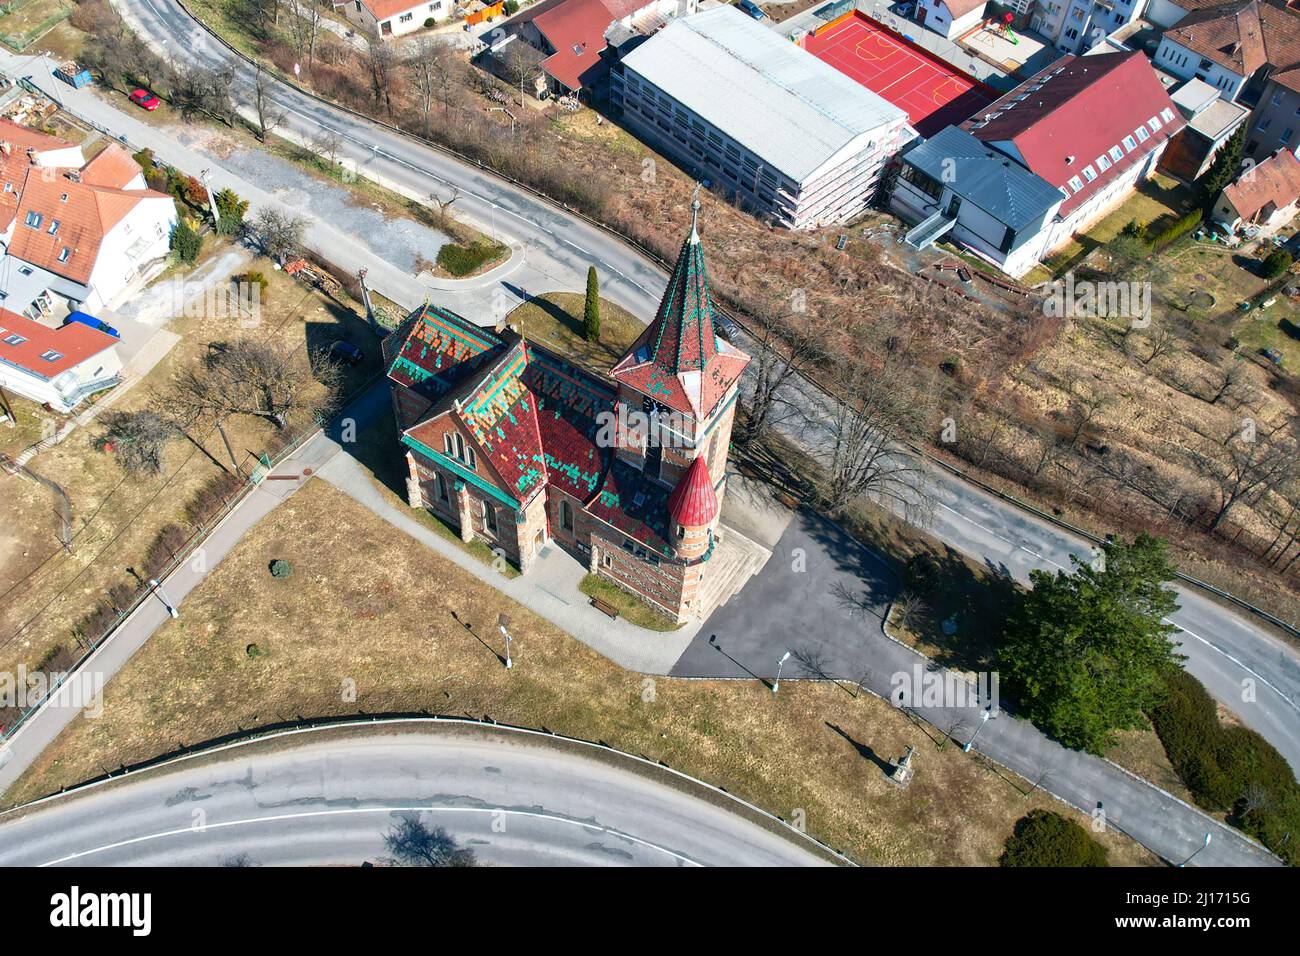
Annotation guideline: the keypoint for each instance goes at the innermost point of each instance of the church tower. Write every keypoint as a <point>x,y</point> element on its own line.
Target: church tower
<point>681,377</point>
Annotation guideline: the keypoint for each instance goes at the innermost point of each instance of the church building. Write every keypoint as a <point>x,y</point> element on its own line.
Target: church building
<point>517,446</point>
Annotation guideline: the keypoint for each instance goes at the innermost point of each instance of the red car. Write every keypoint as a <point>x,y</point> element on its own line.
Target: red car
<point>145,100</point>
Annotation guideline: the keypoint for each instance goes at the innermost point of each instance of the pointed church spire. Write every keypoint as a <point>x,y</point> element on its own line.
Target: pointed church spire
<point>694,237</point>
<point>678,360</point>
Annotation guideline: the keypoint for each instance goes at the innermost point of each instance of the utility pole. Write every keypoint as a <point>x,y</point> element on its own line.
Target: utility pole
<point>365,299</point>
<point>229,451</point>
<point>212,200</point>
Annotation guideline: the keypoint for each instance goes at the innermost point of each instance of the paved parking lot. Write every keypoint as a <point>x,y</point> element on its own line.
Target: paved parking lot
<point>822,596</point>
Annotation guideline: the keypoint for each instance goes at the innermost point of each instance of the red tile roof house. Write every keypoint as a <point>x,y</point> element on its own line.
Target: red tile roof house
<point>1091,128</point>
<point>572,33</point>
<point>1265,195</point>
<point>83,233</point>
<point>56,367</point>
<point>517,447</point>
<point>393,18</point>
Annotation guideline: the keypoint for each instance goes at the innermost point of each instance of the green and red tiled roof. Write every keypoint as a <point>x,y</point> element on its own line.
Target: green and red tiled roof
<point>679,361</point>
<point>634,505</point>
<point>439,350</point>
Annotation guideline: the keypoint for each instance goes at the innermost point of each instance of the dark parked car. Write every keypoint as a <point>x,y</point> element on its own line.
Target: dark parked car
<point>347,353</point>
<point>753,9</point>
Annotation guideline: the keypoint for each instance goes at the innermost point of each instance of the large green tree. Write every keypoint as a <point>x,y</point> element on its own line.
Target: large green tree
<point>591,308</point>
<point>1083,653</point>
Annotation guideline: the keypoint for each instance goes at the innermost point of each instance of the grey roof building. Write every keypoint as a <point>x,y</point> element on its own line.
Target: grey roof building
<point>759,116</point>
<point>955,184</point>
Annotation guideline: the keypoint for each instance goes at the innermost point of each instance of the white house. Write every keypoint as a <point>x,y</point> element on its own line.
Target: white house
<point>56,367</point>
<point>950,18</point>
<point>82,234</point>
<point>1076,26</point>
<point>393,18</point>
<point>1265,195</point>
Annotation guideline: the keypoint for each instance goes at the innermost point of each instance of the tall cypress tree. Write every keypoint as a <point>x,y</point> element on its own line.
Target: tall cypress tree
<point>591,309</point>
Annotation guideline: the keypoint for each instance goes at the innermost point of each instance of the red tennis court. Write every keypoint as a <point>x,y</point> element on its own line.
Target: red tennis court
<point>935,94</point>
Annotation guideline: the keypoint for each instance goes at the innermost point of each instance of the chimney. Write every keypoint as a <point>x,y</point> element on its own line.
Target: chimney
<point>5,147</point>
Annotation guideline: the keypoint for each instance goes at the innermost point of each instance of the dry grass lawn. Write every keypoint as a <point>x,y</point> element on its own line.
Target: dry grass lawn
<point>44,591</point>
<point>366,605</point>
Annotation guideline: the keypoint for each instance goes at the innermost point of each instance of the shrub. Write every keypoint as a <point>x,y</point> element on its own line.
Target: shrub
<point>1175,230</point>
<point>1044,838</point>
<point>166,545</point>
<point>281,568</point>
<point>253,278</point>
<point>210,499</point>
<point>186,243</point>
<point>463,260</point>
<point>144,158</point>
<point>510,7</point>
<point>1230,769</point>
<point>429,23</point>
<point>1276,263</point>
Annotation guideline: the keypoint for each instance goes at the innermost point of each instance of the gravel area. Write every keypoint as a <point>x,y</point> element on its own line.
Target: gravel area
<point>399,241</point>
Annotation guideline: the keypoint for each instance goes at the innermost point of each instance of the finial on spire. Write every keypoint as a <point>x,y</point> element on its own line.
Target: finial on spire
<point>695,212</point>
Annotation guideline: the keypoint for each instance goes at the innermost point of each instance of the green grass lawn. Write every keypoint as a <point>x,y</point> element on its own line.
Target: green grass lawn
<point>555,320</point>
<point>1157,198</point>
<point>631,609</point>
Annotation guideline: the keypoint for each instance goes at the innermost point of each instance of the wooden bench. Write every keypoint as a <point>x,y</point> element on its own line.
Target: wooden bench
<point>604,607</point>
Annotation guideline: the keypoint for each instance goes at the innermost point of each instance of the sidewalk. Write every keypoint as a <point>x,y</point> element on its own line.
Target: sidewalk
<point>550,589</point>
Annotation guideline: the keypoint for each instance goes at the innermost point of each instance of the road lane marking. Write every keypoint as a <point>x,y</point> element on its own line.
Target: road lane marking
<point>182,831</point>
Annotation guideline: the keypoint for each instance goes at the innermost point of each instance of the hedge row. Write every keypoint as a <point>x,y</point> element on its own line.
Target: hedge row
<point>1229,770</point>
<point>1175,230</point>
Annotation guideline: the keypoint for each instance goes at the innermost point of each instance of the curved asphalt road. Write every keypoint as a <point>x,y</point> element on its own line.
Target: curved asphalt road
<point>327,797</point>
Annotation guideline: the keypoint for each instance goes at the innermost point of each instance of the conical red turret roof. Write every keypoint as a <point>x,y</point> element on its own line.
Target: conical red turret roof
<point>693,503</point>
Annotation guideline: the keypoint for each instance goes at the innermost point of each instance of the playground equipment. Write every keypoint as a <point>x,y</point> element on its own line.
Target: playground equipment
<point>1002,25</point>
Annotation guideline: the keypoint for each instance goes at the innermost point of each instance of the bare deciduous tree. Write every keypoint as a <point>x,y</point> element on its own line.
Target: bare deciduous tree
<point>137,438</point>
<point>870,416</point>
<point>412,843</point>
<point>200,91</point>
<point>444,205</point>
<point>280,234</point>
<point>247,377</point>
<point>269,115</point>
<point>783,345</point>
<point>1246,464</point>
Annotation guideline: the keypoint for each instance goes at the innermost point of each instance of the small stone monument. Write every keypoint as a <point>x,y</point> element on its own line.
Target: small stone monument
<point>902,774</point>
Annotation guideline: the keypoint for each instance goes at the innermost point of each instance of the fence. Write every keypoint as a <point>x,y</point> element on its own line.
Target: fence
<point>18,42</point>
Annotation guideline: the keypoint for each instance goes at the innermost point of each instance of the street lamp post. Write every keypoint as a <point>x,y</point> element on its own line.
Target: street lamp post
<point>1208,837</point>
<point>162,596</point>
<point>776,684</point>
<point>503,625</point>
<point>984,719</point>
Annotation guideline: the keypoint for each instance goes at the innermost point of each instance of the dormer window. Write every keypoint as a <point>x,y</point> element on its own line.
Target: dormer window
<point>33,219</point>
<point>453,444</point>
<point>54,227</point>
<point>51,355</point>
<point>63,255</point>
